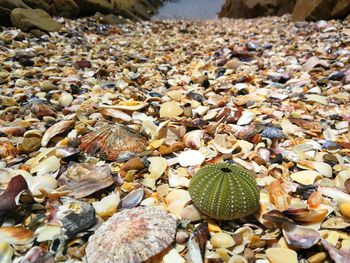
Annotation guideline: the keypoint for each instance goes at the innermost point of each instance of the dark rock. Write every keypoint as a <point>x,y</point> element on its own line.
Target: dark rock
<point>25,62</point>
<point>37,32</point>
<point>82,64</point>
<point>255,8</point>
<point>40,4</point>
<point>27,19</point>
<point>12,4</point>
<point>66,8</point>
<point>110,19</point>
<point>5,16</point>
<point>90,7</point>
<point>320,9</point>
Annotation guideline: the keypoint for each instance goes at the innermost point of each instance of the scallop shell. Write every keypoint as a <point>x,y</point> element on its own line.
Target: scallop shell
<point>39,108</point>
<point>110,141</point>
<point>134,235</point>
<point>224,191</point>
<point>7,149</point>
<point>84,179</point>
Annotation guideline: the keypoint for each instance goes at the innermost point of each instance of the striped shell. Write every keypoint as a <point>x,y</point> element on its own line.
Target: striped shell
<point>109,141</point>
<point>224,191</point>
<point>131,236</point>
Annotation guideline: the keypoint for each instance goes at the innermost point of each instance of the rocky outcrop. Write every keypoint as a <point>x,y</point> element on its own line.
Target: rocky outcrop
<point>37,13</point>
<point>320,9</point>
<point>300,9</point>
<point>27,19</point>
<point>255,8</point>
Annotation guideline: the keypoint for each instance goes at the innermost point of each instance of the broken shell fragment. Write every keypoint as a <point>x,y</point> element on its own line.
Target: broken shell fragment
<point>306,215</point>
<point>75,216</point>
<point>191,158</point>
<point>16,235</point>
<point>107,206</point>
<point>6,252</point>
<point>193,139</point>
<point>128,231</point>
<point>170,109</point>
<point>84,179</point>
<point>298,236</point>
<point>305,177</point>
<point>109,141</point>
<point>7,149</point>
<point>276,254</point>
<point>55,129</point>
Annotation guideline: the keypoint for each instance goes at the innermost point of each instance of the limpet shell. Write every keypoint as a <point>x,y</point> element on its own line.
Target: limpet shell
<point>134,235</point>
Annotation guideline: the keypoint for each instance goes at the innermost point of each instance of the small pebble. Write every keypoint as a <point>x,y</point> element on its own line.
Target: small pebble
<point>222,240</point>
<point>65,99</point>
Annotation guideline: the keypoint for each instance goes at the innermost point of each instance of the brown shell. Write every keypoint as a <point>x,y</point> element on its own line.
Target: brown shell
<point>132,235</point>
<point>109,141</point>
<point>83,179</point>
<point>7,149</point>
<point>39,108</point>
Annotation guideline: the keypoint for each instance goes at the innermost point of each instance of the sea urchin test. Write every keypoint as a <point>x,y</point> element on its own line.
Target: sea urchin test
<point>224,191</point>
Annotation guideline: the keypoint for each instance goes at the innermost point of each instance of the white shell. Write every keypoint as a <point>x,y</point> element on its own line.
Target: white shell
<point>246,118</point>
<point>191,158</point>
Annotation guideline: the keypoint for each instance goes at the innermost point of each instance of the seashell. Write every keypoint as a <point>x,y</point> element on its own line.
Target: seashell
<point>157,167</point>
<point>335,223</point>
<point>276,217</point>
<point>65,99</point>
<point>306,215</point>
<point>337,195</point>
<point>16,235</point>
<point>7,150</point>
<point>191,213</point>
<point>345,210</point>
<point>341,178</point>
<point>222,240</point>
<point>75,216</point>
<point>110,141</point>
<point>191,158</point>
<point>224,191</point>
<point>176,200</point>
<point>37,254</point>
<point>127,105</point>
<point>197,243</point>
<point>276,254</point>
<point>305,177</point>
<point>338,255</point>
<point>272,132</point>
<point>116,114</point>
<point>224,143</point>
<point>298,236</point>
<point>134,235</point>
<point>193,139</point>
<point>323,168</point>
<point>50,164</point>
<point>246,118</point>
<point>107,206</point>
<point>85,179</point>
<point>246,233</point>
<point>133,199</point>
<point>55,129</point>
<point>47,233</point>
<point>39,108</point>
<point>13,130</point>
<point>41,182</point>
<point>8,198</point>
<point>170,109</point>
<point>173,256</point>
<point>31,141</point>
<point>6,252</point>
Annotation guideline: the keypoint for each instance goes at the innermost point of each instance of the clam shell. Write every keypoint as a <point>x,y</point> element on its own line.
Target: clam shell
<point>129,105</point>
<point>55,129</point>
<point>6,252</point>
<point>298,236</point>
<point>110,141</point>
<point>134,235</point>
<point>16,235</point>
<point>84,179</point>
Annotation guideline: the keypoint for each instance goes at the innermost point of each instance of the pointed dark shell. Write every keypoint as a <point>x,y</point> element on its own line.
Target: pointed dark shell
<point>224,191</point>
<point>132,235</point>
<point>109,141</point>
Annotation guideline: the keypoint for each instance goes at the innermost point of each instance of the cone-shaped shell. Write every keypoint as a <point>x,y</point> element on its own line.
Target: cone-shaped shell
<point>109,141</point>
<point>132,235</point>
<point>224,191</point>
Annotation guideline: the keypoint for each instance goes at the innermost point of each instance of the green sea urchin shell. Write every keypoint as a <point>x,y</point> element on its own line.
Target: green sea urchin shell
<point>224,191</point>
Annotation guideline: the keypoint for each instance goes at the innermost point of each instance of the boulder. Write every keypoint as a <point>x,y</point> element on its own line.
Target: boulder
<point>134,9</point>
<point>313,10</point>
<point>27,19</point>
<point>66,8</point>
<point>40,4</point>
<point>5,17</point>
<point>110,19</point>
<point>12,4</point>
<point>255,8</point>
<point>90,7</point>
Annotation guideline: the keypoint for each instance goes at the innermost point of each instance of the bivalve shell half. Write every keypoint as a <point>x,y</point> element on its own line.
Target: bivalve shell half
<point>16,235</point>
<point>6,252</point>
<point>132,235</point>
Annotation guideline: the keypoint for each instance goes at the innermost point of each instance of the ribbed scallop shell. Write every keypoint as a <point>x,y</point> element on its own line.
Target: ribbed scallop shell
<point>131,236</point>
<point>110,141</point>
<point>224,191</point>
